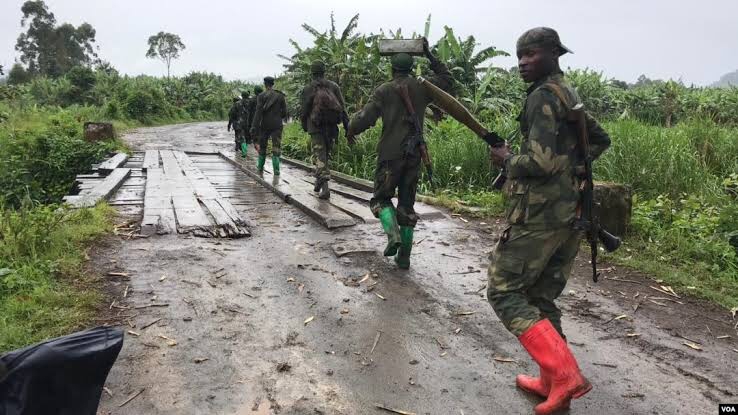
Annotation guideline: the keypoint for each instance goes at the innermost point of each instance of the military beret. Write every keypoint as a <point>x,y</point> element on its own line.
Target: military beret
<point>402,62</point>
<point>268,80</point>
<point>317,67</point>
<point>541,37</point>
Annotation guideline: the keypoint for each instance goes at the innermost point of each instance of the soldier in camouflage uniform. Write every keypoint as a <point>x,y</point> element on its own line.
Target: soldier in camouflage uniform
<point>271,110</point>
<point>233,120</point>
<point>251,110</point>
<point>243,124</point>
<point>396,170</point>
<point>323,136</point>
<point>533,258</point>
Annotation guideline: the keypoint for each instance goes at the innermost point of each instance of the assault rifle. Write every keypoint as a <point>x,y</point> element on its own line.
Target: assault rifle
<point>415,141</point>
<point>586,220</point>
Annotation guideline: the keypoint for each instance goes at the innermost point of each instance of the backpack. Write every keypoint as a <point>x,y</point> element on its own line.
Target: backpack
<point>327,109</point>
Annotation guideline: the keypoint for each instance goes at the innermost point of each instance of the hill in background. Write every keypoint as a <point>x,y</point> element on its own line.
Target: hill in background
<point>729,79</point>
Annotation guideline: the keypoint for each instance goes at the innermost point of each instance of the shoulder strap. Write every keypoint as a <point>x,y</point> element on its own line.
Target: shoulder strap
<point>563,97</point>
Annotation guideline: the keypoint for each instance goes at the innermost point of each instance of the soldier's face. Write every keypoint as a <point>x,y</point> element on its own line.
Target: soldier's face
<point>535,63</point>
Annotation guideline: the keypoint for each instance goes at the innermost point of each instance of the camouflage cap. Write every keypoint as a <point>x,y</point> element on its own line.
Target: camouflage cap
<point>258,90</point>
<point>245,94</point>
<point>402,62</point>
<point>268,80</point>
<point>541,37</point>
<point>317,67</point>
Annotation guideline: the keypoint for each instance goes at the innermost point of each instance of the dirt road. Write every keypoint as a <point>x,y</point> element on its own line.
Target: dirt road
<point>276,323</point>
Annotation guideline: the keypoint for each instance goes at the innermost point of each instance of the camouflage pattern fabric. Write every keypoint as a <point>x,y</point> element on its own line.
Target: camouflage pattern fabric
<point>233,122</point>
<point>322,143</point>
<point>529,271</point>
<point>533,259</point>
<point>243,120</point>
<point>271,109</point>
<point>276,137</point>
<point>401,176</point>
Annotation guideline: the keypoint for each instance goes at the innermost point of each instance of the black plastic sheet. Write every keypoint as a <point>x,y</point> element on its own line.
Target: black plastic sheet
<point>62,376</point>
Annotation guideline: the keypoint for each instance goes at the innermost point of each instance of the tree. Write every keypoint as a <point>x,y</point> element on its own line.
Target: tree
<point>18,75</point>
<point>51,50</point>
<point>165,46</point>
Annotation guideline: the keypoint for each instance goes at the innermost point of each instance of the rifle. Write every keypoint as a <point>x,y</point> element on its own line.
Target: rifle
<point>456,110</point>
<point>416,140</point>
<point>586,219</point>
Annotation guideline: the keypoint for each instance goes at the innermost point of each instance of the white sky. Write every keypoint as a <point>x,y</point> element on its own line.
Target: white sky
<point>694,41</point>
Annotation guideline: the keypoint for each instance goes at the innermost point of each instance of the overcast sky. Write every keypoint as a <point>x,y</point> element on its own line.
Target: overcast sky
<point>691,40</point>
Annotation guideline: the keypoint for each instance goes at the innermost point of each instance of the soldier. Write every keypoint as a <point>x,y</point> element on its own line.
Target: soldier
<point>251,109</point>
<point>398,166</point>
<point>271,109</point>
<point>322,108</point>
<point>533,258</point>
<point>233,120</point>
<point>243,123</point>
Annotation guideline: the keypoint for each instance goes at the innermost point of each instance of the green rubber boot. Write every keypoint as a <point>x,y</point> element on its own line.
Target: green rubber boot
<point>244,150</point>
<point>275,165</point>
<point>260,163</point>
<point>388,218</point>
<point>403,254</point>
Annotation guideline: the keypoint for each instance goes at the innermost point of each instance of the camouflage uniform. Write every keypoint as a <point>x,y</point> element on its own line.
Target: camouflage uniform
<point>233,121</point>
<point>534,256</point>
<point>270,110</point>
<point>324,136</point>
<point>394,169</point>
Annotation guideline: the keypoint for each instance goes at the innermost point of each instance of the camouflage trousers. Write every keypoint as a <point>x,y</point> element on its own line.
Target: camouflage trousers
<point>528,271</point>
<point>322,144</point>
<point>276,136</point>
<point>399,176</point>
<point>238,134</point>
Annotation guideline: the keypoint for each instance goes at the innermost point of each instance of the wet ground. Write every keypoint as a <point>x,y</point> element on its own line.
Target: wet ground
<point>277,323</point>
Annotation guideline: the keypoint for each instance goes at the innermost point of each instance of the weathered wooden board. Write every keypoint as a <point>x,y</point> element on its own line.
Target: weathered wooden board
<point>323,212</point>
<point>101,191</point>
<point>151,160</point>
<point>107,166</point>
<point>158,215</point>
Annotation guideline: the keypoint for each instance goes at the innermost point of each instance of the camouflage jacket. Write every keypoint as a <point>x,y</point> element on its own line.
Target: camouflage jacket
<point>243,114</point>
<point>387,104</point>
<point>543,190</point>
<point>233,115</point>
<point>306,103</point>
<point>271,109</point>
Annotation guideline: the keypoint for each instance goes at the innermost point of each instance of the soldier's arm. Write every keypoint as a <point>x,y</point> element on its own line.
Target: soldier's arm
<point>368,115</point>
<point>544,116</point>
<point>282,106</point>
<point>599,141</point>
<point>257,115</point>
<point>442,77</point>
<point>344,114</point>
<point>305,105</point>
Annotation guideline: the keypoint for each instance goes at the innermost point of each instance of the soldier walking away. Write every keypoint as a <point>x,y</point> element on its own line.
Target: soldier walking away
<point>398,155</point>
<point>243,123</point>
<point>322,109</point>
<point>250,110</point>
<point>533,258</point>
<point>233,119</point>
<point>271,110</point>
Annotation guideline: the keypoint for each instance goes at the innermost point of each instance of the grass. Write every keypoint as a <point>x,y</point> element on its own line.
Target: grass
<point>43,290</point>
<point>684,180</point>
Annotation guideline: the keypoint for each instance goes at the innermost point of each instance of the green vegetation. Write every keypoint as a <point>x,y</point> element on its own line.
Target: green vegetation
<point>43,291</point>
<point>676,146</point>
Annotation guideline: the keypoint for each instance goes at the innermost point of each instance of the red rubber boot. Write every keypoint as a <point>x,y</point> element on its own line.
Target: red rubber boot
<point>540,386</point>
<point>558,365</point>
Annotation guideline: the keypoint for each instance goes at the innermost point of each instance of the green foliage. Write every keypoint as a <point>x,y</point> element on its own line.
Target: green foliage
<point>41,253</point>
<point>166,47</point>
<point>50,49</point>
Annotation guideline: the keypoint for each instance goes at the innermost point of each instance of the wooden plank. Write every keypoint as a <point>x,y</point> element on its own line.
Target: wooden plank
<point>151,160</point>
<point>228,222</point>
<point>103,190</point>
<point>323,212</point>
<point>107,166</point>
<point>158,213</point>
<point>355,182</point>
<point>190,216</point>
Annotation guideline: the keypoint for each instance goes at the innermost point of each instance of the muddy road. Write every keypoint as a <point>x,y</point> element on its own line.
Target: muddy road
<point>277,323</point>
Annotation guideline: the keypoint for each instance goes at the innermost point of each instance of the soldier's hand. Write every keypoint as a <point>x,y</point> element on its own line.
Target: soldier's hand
<point>426,49</point>
<point>499,154</point>
<point>351,139</point>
